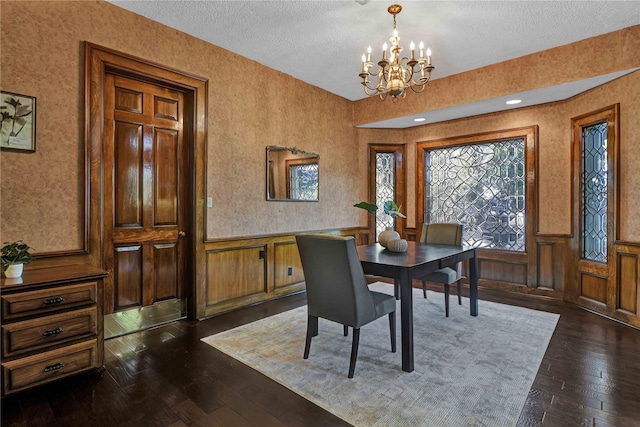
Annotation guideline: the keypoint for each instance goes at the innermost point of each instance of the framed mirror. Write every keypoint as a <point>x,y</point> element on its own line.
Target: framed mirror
<point>292,175</point>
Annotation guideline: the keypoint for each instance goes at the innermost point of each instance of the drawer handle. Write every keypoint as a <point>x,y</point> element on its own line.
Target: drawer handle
<point>54,367</point>
<point>56,300</point>
<point>52,332</point>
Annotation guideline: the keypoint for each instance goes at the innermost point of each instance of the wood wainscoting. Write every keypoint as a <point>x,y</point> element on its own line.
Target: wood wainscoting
<point>247,270</point>
<point>542,271</point>
<point>613,291</point>
<point>545,270</point>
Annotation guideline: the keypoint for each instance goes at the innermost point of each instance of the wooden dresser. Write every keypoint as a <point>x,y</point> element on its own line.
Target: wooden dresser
<point>52,325</point>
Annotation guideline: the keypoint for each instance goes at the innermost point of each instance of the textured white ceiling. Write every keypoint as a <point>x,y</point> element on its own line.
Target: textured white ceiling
<point>321,42</point>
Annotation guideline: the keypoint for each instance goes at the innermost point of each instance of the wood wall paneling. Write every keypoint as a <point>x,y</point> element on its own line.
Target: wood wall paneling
<point>498,270</point>
<point>235,272</point>
<point>246,270</point>
<point>627,282</point>
<point>411,234</point>
<point>288,267</point>
<point>551,269</point>
<point>545,265</point>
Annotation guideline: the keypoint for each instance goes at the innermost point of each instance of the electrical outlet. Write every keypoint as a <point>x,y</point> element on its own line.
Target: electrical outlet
<point>209,202</point>
<point>290,271</point>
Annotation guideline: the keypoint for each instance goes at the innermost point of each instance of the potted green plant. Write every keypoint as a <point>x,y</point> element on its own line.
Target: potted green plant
<point>390,208</point>
<point>14,255</point>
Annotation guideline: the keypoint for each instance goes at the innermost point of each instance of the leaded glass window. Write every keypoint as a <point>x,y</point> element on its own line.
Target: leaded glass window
<point>594,192</point>
<point>385,188</point>
<point>481,186</point>
<point>304,181</point>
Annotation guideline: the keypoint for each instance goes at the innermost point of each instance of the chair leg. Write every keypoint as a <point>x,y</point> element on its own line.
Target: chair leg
<point>396,288</point>
<point>446,300</point>
<point>312,330</point>
<point>354,351</point>
<point>459,294</point>
<point>345,330</point>
<point>424,288</point>
<point>392,330</point>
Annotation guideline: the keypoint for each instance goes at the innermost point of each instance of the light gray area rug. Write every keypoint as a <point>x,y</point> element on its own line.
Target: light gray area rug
<point>469,371</point>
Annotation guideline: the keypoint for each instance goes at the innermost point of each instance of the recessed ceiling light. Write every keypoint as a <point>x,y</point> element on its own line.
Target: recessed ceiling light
<point>419,119</point>
<point>514,101</point>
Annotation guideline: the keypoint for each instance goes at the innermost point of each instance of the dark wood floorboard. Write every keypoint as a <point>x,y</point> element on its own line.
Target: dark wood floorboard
<point>590,376</point>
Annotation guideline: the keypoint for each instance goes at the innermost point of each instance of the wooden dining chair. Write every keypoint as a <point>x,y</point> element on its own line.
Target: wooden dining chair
<point>337,289</point>
<point>444,234</point>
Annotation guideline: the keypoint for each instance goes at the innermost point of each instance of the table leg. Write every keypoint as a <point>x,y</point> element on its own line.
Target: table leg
<point>406,320</point>
<point>473,284</point>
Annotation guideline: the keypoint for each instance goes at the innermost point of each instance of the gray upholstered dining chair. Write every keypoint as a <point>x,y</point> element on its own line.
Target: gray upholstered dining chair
<point>444,234</point>
<point>337,289</point>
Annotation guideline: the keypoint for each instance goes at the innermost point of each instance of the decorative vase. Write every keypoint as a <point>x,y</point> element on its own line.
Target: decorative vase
<point>397,245</point>
<point>386,235</point>
<point>13,271</point>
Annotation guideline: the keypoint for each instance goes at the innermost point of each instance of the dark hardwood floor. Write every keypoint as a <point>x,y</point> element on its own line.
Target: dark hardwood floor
<point>590,376</point>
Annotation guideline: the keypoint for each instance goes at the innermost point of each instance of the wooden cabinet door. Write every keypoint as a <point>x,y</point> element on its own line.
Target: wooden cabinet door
<point>145,197</point>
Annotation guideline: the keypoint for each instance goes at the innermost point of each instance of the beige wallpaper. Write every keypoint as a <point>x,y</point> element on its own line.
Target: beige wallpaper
<point>42,194</point>
<point>591,57</point>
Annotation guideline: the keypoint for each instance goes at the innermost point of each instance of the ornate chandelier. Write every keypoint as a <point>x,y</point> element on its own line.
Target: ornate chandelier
<point>395,75</point>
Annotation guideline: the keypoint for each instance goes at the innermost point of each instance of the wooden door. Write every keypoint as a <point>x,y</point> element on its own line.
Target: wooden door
<point>595,157</point>
<point>145,193</point>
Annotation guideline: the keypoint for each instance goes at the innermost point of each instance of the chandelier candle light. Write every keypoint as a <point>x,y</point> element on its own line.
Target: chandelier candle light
<point>396,74</point>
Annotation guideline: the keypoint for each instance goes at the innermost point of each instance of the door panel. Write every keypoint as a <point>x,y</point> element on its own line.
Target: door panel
<point>166,272</point>
<point>593,287</point>
<point>627,282</point>
<point>128,100</point>
<point>166,173</point>
<point>145,186</point>
<point>128,268</point>
<point>166,108</point>
<point>128,179</point>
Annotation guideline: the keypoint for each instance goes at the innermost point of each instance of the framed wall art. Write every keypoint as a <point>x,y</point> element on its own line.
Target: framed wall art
<point>18,130</point>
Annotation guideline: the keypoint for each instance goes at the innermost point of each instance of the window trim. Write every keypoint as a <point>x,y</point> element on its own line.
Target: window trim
<point>399,151</point>
<point>530,136</point>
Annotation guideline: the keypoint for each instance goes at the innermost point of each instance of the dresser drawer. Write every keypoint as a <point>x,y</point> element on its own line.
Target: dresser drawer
<point>48,366</point>
<point>34,334</point>
<point>23,304</point>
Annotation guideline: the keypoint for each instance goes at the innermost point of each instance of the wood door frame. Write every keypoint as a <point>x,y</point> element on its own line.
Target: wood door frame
<point>605,271</point>
<point>99,60</point>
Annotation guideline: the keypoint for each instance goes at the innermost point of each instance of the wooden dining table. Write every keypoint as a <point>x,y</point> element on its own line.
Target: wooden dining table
<point>419,260</point>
